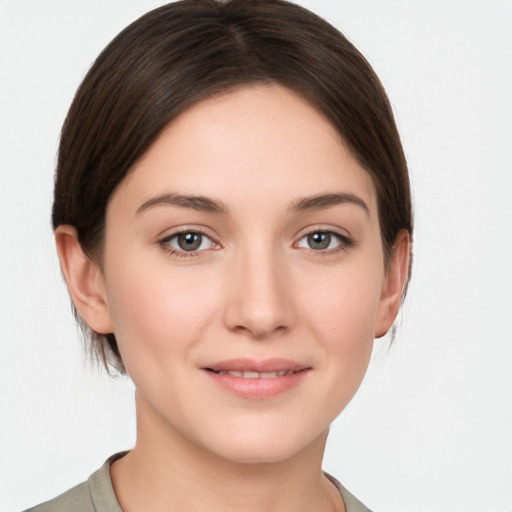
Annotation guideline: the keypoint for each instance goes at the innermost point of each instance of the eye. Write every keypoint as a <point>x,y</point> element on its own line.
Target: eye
<point>188,242</point>
<point>324,241</point>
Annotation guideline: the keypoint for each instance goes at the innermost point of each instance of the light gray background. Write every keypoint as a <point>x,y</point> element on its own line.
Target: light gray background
<point>431,427</point>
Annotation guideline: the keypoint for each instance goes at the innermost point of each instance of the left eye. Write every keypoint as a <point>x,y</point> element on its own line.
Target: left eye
<point>321,240</point>
<point>189,241</point>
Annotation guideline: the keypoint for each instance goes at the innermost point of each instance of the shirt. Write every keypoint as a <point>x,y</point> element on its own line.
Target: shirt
<point>96,494</point>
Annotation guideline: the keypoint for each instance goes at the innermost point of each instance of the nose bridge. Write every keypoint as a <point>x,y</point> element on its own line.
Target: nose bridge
<point>260,301</point>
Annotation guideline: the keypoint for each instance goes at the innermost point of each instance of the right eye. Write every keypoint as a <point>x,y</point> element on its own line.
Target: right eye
<point>188,243</point>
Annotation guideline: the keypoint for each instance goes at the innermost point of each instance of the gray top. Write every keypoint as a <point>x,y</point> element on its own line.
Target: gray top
<point>97,495</point>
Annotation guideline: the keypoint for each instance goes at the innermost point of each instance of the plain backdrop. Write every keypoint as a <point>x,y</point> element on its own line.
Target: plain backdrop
<point>431,427</point>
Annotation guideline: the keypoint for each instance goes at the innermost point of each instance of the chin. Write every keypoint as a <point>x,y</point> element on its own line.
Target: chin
<point>264,443</point>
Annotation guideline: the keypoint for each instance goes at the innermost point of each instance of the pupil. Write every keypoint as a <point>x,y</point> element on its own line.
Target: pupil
<point>319,240</point>
<point>189,241</point>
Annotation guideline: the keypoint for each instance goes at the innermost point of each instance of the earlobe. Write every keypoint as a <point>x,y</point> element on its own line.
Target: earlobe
<point>393,284</point>
<point>84,280</point>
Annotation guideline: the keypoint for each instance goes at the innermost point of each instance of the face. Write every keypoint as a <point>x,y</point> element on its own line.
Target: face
<point>243,275</point>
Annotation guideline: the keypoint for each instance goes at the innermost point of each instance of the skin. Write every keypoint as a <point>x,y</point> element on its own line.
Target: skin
<point>257,288</point>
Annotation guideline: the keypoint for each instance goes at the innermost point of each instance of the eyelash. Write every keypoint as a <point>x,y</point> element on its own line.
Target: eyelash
<point>173,251</point>
<point>344,244</point>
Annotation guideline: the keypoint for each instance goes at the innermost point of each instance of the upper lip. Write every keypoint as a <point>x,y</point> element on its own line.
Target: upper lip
<point>251,365</point>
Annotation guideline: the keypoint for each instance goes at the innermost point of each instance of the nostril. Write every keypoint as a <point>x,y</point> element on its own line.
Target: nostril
<point>260,331</point>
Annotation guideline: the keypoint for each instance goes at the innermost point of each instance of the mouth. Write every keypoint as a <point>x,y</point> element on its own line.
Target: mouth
<point>257,379</point>
<point>256,375</point>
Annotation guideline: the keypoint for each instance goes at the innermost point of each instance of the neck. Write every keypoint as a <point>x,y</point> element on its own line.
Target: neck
<point>166,468</point>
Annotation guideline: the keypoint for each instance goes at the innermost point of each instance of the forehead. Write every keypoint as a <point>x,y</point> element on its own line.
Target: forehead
<point>255,144</point>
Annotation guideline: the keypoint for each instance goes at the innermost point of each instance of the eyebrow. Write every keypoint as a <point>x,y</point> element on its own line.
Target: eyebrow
<point>206,204</point>
<point>200,203</point>
<point>323,201</point>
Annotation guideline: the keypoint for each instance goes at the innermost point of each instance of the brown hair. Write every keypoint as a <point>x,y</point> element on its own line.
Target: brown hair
<point>180,53</point>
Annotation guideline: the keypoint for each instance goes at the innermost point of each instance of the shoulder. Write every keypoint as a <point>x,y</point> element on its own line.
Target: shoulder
<point>77,499</point>
<point>94,495</point>
<point>352,504</point>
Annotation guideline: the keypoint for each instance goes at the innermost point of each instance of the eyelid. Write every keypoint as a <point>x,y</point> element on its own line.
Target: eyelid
<point>324,228</point>
<point>163,241</point>
<point>346,241</point>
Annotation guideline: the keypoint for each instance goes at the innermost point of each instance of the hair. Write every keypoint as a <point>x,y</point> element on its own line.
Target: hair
<point>183,52</point>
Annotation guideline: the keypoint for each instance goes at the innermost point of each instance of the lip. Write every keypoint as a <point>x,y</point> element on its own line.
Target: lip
<point>257,379</point>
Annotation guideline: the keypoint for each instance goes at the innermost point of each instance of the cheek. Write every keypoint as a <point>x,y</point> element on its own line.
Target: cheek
<point>345,307</point>
<point>157,313</point>
<point>341,316</point>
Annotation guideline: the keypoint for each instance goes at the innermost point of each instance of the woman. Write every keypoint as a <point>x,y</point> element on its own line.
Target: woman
<point>233,220</point>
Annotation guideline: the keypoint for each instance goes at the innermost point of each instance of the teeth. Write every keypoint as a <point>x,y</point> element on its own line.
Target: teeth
<point>256,375</point>
<point>251,375</point>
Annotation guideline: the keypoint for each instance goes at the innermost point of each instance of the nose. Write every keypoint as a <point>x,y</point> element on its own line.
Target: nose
<point>260,294</point>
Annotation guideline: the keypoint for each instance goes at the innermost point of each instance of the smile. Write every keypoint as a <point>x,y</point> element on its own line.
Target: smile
<point>251,379</point>
<point>255,375</point>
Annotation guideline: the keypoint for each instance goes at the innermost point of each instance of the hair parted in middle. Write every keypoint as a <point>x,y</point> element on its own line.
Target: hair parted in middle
<point>183,52</point>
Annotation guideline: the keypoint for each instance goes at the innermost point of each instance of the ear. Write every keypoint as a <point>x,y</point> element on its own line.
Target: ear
<point>85,280</point>
<point>393,284</point>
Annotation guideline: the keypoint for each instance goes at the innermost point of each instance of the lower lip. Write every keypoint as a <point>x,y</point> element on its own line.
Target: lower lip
<point>258,388</point>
